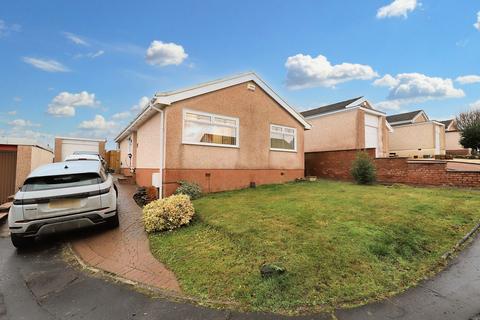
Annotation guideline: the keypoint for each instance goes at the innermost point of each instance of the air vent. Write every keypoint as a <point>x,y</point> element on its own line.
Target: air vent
<point>251,86</point>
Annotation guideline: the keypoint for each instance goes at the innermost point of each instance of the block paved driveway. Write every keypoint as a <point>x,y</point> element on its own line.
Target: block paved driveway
<point>125,251</point>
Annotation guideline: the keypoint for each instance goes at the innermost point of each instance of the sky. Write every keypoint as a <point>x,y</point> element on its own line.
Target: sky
<point>86,68</point>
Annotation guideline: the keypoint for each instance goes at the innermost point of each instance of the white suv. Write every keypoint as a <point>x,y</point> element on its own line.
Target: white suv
<point>62,196</point>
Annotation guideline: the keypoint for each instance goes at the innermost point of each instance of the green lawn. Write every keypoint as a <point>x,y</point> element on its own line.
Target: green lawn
<point>342,244</point>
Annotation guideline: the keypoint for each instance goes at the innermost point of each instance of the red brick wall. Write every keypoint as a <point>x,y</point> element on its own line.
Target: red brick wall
<point>331,164</point>
<point>336,165</point>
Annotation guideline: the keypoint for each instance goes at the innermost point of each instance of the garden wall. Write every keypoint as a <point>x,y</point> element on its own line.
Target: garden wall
<point>336,165</point>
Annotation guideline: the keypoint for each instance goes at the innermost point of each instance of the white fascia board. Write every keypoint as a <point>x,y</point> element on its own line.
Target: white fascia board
<point>418,115</point>
<point>356,103</point>
<point>374,112</point>
<point>389,127</point>
<point>169,98</point>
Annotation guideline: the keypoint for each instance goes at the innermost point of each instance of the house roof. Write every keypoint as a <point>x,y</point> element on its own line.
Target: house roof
<point>330,108</point>
<point>167,98</point>
<point>406,117</point>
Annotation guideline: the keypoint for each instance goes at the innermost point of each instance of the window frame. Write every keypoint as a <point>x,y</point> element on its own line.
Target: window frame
<point>281,149</point>
<point>212,115</point>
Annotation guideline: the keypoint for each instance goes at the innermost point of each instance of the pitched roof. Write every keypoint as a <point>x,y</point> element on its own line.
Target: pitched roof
<point>329,108</point>
<point>167,98</point>
<point>403,117</point>
<point>446,122</point>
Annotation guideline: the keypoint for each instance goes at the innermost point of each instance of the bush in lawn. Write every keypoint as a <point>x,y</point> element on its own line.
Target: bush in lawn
<point>363,170</point>
<point>189,188</point>
<point>168,213</point>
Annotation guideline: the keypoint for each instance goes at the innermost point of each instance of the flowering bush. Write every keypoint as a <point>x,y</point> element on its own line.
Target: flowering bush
<point>191,189</point>
<point>168,213</point>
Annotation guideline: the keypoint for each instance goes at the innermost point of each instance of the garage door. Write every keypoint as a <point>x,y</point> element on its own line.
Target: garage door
<point>8,165</point>
<point>71,146</point>
<point>372,133</point>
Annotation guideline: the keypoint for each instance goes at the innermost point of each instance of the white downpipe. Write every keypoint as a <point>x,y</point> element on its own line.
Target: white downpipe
<point>162,147</point>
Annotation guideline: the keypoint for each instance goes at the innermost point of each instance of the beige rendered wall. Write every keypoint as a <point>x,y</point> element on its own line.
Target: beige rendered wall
<point>420,118</point>
<point>24,156</point>
<point>28,159</point>
<point>415,140</point>
<point>148,143</point>
<point>256,111</point>
<point>452,139</point>
<point>337,131</point>
<point>40,157</point>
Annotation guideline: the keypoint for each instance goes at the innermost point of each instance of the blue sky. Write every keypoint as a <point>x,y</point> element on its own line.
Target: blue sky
<point>86,67</point>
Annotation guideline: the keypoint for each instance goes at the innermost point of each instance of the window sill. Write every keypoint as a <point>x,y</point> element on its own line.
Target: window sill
<point>283,150</point>
<point>210,145</point>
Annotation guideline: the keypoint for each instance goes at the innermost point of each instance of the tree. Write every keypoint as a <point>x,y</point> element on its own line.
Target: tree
<point>468,123</point>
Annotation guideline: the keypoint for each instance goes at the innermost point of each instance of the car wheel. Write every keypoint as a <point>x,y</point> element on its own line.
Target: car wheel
<point>113,222</point>
<point>21,242</point>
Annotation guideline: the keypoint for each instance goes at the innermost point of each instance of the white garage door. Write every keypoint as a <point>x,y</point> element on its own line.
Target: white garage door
<point>372,133</point>
<point>70,146</point>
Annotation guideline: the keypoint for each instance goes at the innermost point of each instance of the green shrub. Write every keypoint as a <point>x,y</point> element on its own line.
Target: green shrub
<point>191,189</point>
<point>168,213</point>
<point>363,169</point>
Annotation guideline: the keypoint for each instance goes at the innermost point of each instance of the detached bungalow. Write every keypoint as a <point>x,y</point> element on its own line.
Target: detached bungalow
<point>347,125</point>
<point>415,135</point>
<point>452,139</point>
<point>226,134</point>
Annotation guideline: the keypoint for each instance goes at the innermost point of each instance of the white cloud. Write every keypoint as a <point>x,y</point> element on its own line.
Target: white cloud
<point>475,105</point>
<point>91,55</point>
<point>46,65</point>
<point>468,79</point>
<point>23,123</point>
<point>17,99</point>
<point>98,123</point>
<point>388,105</point>
<point>121,115</point>
<point>64,104</point>
<point>303,71</point>
<point>142,103</point>
<point>6,29</point>
<point>398,8</point>
<point>386,81</point>
<point>164,54</point>
<point>76,39</point>
<point>477,24</point>
<point>12,112</point>
<point>414,88</point>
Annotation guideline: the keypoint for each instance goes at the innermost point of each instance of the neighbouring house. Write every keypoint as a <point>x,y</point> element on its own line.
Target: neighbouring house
<point>18,157</point>
<point>415,135</point>
<point>452,139</point>
<point>65,146</point>
<point>347,125</point>
<point>226,134</point>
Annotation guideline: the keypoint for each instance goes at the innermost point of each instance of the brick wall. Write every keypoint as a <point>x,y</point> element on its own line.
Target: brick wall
<point>336,165</point>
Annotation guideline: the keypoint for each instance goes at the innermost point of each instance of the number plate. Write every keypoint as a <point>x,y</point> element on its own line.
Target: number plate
<point>64,203</point>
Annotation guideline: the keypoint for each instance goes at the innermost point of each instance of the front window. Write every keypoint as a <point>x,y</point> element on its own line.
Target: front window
<point>283,138</point>
<point>209,129</point>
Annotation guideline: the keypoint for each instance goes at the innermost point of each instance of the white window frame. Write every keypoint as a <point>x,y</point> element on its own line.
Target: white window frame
<point>213,115</point>
<point>283,127</point>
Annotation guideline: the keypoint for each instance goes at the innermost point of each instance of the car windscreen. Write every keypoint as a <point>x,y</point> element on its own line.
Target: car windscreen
<point>61,181</point>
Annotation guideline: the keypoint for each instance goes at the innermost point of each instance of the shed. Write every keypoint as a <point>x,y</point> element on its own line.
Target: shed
<point>18,157</point>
